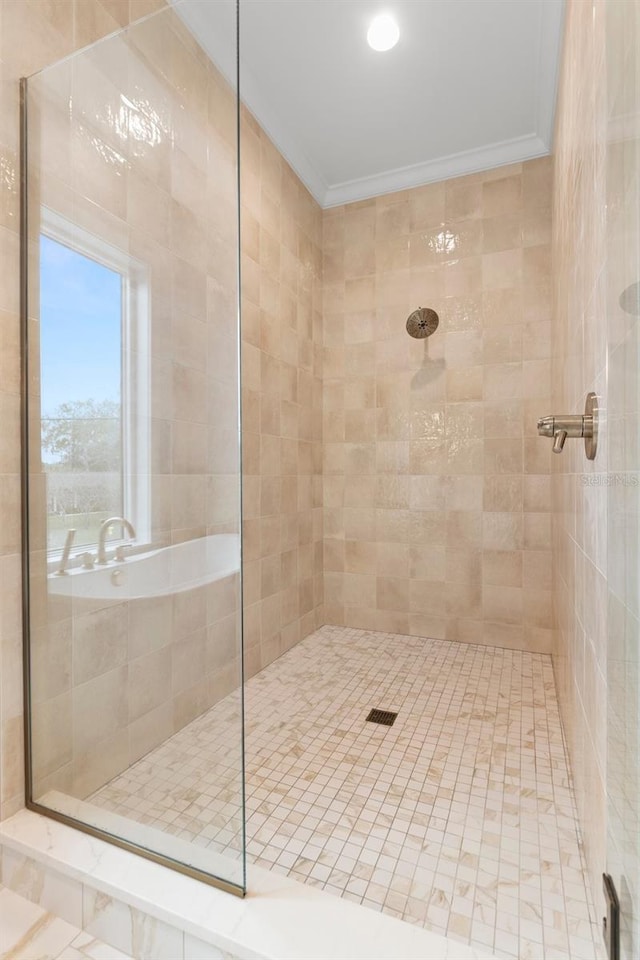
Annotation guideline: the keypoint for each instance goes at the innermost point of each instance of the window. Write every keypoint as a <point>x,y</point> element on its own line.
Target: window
<point>94,384</point>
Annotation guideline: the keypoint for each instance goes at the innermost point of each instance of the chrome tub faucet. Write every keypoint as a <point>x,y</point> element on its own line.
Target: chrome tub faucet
<point>104,530</point>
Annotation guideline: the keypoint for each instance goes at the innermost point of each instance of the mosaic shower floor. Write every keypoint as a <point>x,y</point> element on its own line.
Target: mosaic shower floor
<point>459,817</point>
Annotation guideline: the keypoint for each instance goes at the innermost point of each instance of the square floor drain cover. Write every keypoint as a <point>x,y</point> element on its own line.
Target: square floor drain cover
<point>385,717</point>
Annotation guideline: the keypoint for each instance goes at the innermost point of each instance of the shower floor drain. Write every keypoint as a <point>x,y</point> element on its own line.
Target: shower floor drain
<point>385,717</point>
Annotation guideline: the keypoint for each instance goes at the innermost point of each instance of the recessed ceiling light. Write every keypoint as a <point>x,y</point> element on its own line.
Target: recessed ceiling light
<point>383,32</point>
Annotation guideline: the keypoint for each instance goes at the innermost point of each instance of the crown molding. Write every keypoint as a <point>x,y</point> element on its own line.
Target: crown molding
<point>443,168</point>
<point>253,97</point>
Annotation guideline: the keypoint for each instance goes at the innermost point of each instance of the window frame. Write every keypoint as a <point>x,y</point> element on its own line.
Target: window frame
<point>135,375</point>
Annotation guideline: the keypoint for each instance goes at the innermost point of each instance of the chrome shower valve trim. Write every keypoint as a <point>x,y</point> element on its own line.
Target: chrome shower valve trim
<point>572,425</point>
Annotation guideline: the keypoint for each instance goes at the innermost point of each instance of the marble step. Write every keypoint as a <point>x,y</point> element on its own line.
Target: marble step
<point>27,930</point>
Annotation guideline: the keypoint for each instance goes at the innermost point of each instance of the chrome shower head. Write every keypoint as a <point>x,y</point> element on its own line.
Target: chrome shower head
<point>422,323</point>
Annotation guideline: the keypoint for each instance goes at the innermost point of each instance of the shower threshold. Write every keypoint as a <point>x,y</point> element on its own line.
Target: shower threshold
<point>144,911</point>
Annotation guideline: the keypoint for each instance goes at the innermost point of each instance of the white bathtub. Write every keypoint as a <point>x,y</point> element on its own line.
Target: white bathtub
<point>185,566</point>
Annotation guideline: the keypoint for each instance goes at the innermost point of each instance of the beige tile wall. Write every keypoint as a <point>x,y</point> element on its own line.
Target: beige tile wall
<point>437,491</point>
<point>579,347</point>
<point>281,232</point>
<point>621,25</point>
<point>596,347</point>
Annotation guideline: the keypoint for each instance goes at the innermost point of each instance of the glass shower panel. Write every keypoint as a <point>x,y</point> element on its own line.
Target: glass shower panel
<point>131,258</point>
<point>623,504</point>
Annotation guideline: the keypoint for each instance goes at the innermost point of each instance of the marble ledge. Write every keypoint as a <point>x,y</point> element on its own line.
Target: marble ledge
<point>279,919</point>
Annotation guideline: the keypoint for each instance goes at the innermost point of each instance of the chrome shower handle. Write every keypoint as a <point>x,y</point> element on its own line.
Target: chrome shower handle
<point>573,425</point>
<point>558,440</point>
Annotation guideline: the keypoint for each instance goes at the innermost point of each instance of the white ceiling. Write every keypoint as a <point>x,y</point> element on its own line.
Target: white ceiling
<point>470,85</point>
